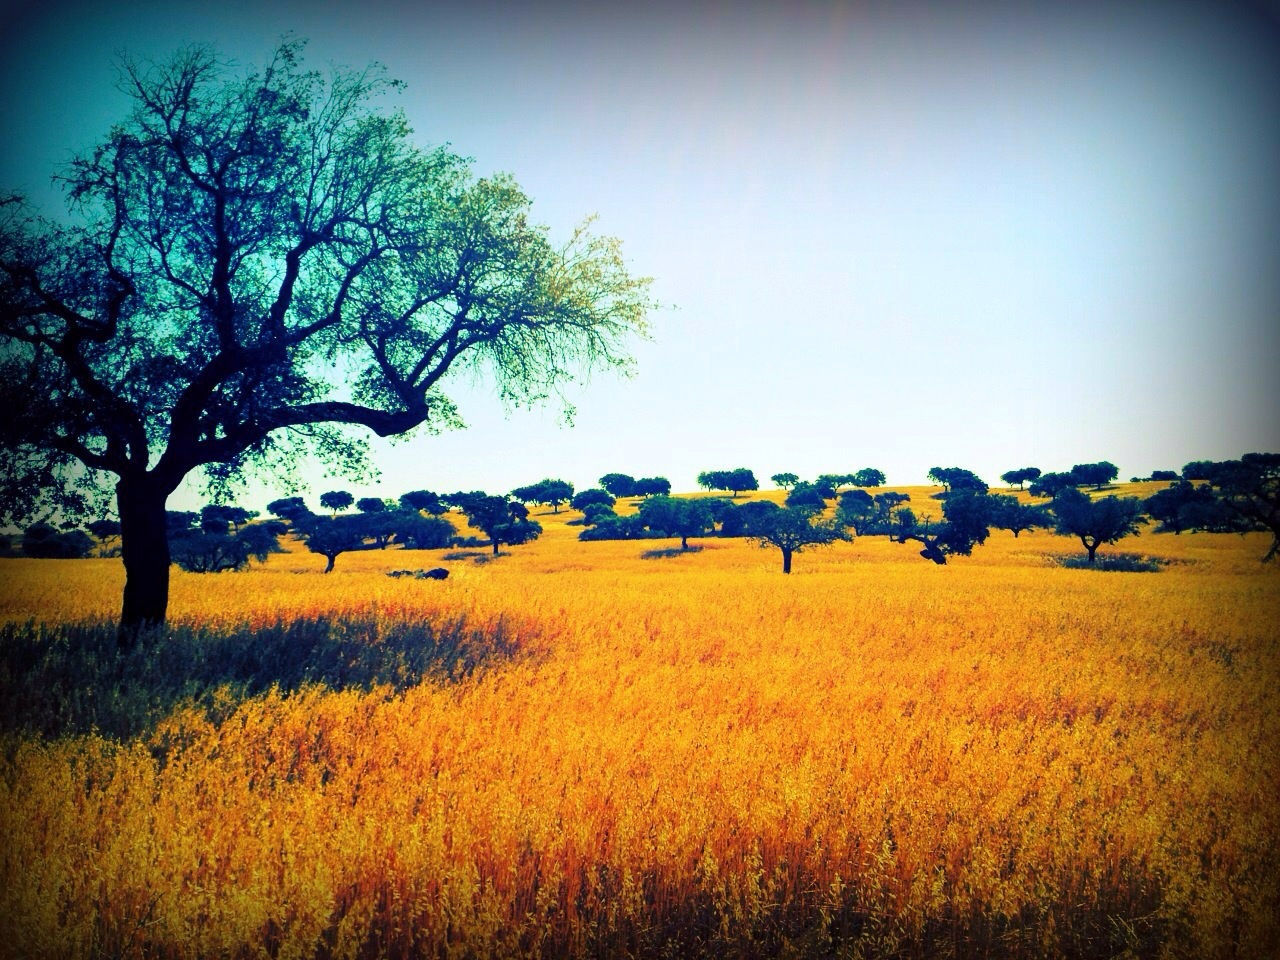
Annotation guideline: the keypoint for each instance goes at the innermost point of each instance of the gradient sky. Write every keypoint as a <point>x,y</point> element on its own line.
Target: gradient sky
<point>890,235</point>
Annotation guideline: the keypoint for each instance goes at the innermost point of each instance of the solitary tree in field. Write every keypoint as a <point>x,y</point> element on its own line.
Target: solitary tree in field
<point>869,477</point>
<point>966,522</point>
<point>619,484</point>
<point>785,480</point>
<point>792,530</point>
<point>1008,514</point>
<point>1095,475</point>
<point>1020,476</point>
<point>335,501</point>
<point>592,497</point>
<point>651,487</point>
<point>551,492</point>
<point>676,517</point>
<point>253,261</point>
<point>503,520</point>
<point>1095,522</point>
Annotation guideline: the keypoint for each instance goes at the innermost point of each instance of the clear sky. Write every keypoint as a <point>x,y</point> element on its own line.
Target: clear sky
<point>891,235</point>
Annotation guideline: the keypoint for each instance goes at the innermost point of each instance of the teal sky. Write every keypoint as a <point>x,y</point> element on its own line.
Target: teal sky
<point>892,235</point>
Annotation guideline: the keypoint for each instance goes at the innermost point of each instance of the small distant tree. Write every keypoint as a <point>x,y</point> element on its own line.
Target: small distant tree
<point>836,480</point>
<point>957,480</point>
<point>966,521</point>
<point>676,518</point>
<point>1008,514</point>
<point>1051,484</point>
<point>335,501</point>
<point>550,492</point>
<point>371,505</point>
<point>213,550</point>
<point>1021,476</point>
<point>807,496</point>
<point>46,542</point>
<point>856,509</point>
<point>1096,475</point>
<point>793,530</point>
<point>333,536</point>
<point>868,477</point>
<point>293,509</point>
<point>502,520</point>
<point>416,532</point>
<point>1095,522</point>
<point>1198,470</point>
<point>104,529</point>
<point>651,487</point>
<point>1165,475</point>
<point>785,480</point>
<point>423,501</point>
<point>619,484</point>
<point>593,496</point>
<point>217,517</point>
<point>1184,505</point>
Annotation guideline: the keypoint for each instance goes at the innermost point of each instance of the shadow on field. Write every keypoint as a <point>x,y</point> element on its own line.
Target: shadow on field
<point>69,679</point>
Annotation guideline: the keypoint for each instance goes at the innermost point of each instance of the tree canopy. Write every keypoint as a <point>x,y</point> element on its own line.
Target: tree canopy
<point>735,481</point>
<point>1095,522</point>
<point>253,260</point>
<point>792,530</point>
<point>551,492</point>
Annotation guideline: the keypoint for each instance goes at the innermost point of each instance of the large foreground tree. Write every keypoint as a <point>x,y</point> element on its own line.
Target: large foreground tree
<point>253,261</point>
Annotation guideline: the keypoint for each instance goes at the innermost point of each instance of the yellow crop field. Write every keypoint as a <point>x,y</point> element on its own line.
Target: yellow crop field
<point>687,756</point>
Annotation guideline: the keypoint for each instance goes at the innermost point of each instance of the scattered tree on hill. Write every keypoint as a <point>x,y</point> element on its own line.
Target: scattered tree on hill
<point>651,487</point>
<point>371,505</point>
<point>549,492</point>
<point>335,501</point>
<point>216,517</point>
<point>593,496</point>
<point>424,501</point>
<point>808,496</point>
<point>1096,475</point>
<point>966,521</point>
<point>1249,489</point>
<point>104,529</point>
<point>47,542</point>
<point>1021,476</point>
<point>856,509</point>
<point>792,530</point>
<point>293,509</point>
<point>1007,513</point>
<point>834,481</point>
<point>502,520</point>
<point>735,480</point>
<point>869,477</point>
<point>957,480</point>
<point>676,517</point>
<point>251,259</point>
<point>1051,484</point>
<point>619,484</point>
<point>333,536</point>
<point>216,548</point>
<point>1095,522</point>
<point>416,532</point>
<point>785,480</point>
<point>1185,506</point>
<point>1197,470</point>
<point>1168,475</point>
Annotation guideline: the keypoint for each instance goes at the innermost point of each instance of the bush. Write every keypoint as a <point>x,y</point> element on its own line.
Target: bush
<point>48,543</point>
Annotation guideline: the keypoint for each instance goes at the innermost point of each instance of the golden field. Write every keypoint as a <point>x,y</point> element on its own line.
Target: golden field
<point>691,756</point>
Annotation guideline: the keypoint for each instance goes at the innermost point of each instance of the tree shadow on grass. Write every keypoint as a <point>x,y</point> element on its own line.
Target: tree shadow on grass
<point>72,679</point>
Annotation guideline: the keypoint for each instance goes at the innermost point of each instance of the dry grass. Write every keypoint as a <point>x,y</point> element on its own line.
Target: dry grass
<point>701,757</point>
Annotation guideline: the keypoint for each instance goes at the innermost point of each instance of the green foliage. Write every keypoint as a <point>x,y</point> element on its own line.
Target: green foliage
<point>957,480</point>
<point>1021,476</point>
<point>652,487</point>
<point>785,480</point>
<point>1249,489</point>
<point>62,680</point>
<point>423,500</point>
<point>619,484</point>
<point>1008,514</point>
<point>551,492</point>
<point>1095,522</point>
<point>203,551</point>
<point>293,509</point>
<point>1051,484</point>
<point>809,496</point>
<point>417,532</point>
<point>371,505</point>
<point>504,520</point>
<point>792,531</point>
<point>1095,475</point>
<point>46,542</point>
<point>593,497</point>
<point>675,517</point>
<point>868,477</point>
<point>966,522</point>
<point>335,501</point>
<point>735,480</point>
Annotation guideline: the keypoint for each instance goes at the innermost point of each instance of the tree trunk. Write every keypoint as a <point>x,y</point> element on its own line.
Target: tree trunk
<point>684,543</point>
<point>1092,548</point>
<point>144,546</point>
<point>330,557</point>
<point>495,546</point>
<point>786,560</point>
